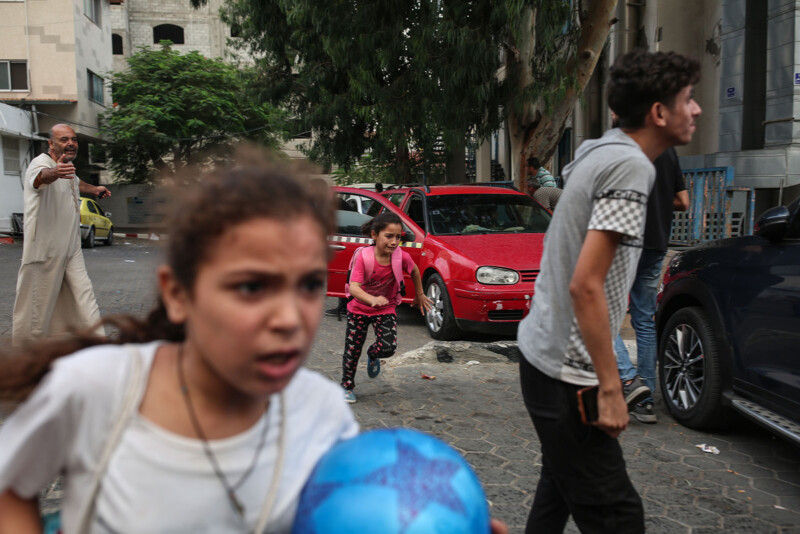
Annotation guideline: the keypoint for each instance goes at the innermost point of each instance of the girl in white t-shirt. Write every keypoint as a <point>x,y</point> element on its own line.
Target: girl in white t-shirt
<point>200,418</point>
<point>205,420</point>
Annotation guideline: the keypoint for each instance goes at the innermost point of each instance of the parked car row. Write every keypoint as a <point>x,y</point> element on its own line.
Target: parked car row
<point>729,311</point>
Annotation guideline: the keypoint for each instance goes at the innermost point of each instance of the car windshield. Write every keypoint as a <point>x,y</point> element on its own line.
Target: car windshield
<point>485,214</point>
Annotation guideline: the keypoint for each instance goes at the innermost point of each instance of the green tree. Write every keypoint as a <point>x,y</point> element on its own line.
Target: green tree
<point>385,77</point>
<point>398,77</point>
<point>552,50</point>
<point>172,109</point>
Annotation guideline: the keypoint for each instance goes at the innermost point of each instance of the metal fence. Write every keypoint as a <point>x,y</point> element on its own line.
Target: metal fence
<point>717,209</point>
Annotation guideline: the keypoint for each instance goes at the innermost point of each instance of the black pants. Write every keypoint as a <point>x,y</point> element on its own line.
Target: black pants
<point>583,471</point>
<point>385,327</point>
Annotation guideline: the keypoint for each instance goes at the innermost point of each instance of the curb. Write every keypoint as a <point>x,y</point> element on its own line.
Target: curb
<point>151,237</point>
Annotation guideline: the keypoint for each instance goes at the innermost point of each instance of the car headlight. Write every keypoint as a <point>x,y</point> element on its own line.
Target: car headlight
<point>497,275</point>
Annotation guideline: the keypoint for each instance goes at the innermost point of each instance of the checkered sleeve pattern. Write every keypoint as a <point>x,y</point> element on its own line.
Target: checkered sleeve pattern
<point>620,211</point>
<point>577,362</point>
<point>617,211</point>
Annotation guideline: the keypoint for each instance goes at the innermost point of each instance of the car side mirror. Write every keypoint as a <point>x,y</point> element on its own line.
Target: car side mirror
<point>773,223</point>
<point>108,214</point>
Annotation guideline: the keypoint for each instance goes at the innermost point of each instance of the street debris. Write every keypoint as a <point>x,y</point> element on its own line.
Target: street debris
<point>129,261</point>
<point>472,362</point>
<point>708,448</point>
<point>428,377</point>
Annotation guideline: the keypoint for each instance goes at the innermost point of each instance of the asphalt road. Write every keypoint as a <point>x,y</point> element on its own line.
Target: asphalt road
<point>474,403</point>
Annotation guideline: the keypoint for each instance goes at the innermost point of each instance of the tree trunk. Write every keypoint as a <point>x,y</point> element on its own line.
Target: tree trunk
<point>456,162</point>
<point>534,133</point>
<point>519,119</point>
<point>402,167</point>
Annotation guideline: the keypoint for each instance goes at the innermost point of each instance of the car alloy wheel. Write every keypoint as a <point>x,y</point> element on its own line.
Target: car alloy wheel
<point>110,238</point>
<point>440,320</point>
<point>689,370</point>
<point>683,366</point>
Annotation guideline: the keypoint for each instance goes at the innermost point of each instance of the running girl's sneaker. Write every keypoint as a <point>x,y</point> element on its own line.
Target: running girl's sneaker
<point>349,396</point>
<point>373,367</point>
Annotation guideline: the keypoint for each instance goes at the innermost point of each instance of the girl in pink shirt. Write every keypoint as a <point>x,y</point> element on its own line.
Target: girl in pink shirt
<point>374,299</point>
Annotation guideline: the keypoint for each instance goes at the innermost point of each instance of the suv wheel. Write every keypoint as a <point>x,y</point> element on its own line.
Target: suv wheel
<point>440,320</point>
<point>689,370</point>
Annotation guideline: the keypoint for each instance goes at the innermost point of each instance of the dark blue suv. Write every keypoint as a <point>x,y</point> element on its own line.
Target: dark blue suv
<point>729,328</point>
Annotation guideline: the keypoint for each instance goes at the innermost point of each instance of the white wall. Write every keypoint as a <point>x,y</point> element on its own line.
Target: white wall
<point>135,207</point>
<point>15,125</point>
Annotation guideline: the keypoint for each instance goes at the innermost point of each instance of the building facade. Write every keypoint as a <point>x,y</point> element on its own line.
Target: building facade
<point>17,148</point>
<point>750,89</point>
<point>139,23</point>
<point>55,58</point>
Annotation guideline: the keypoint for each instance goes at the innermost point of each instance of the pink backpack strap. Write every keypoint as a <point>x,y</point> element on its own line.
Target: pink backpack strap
<point>369,261</point>
<point>397,269</point>
<point>369,266</point>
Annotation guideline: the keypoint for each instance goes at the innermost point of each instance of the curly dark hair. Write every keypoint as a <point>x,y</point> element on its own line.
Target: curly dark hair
<point>211,203</point>
<point>639,79</point>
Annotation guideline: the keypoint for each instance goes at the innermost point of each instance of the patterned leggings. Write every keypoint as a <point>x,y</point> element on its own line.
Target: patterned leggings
<point>385,327</point>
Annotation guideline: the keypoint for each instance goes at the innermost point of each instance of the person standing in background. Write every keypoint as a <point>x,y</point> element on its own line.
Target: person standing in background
<point>546,196</point>
<point>54,293</point>
<point>669,194</point>
<point>540,174</point>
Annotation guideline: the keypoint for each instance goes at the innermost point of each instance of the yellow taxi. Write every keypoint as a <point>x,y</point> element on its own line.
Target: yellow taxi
<point>95,224</point>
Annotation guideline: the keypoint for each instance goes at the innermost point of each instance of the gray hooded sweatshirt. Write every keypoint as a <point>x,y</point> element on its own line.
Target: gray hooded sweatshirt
<point>606,188</point>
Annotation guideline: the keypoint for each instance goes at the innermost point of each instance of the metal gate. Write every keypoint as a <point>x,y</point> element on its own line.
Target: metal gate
<point>717,209</point>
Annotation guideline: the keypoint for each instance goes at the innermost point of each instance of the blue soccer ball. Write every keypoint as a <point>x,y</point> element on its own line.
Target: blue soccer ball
<point>395,481</point>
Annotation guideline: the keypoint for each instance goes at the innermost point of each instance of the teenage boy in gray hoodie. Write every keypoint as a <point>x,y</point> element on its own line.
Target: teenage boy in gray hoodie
<point>590,256</point>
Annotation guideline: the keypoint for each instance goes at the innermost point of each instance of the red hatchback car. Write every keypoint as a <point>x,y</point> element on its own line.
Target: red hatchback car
<point>477,247</point>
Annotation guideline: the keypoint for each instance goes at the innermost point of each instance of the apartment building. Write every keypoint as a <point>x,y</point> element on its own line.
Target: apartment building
<point>138,23</point>
<point>750,86</point>
<point>55,56</point>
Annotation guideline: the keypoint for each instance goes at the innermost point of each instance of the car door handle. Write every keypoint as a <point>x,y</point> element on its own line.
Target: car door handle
<point>337,247</point>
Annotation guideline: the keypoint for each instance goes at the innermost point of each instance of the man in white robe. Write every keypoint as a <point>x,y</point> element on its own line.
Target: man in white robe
<point>54,293</point>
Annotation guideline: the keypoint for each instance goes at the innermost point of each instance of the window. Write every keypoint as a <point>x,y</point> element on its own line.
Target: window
<point>91,206</point>
<point>485,214</point>
<point>116,44</point>
<point>11,155</point>
<point>416,210</point>
<point>396,198</point>
<point>13,75</point>
<point>168,32</point>
<point>92,10</point>
<point>95,87</point>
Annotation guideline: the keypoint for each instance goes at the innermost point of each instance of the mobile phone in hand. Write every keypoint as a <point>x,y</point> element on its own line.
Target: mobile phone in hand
<point>587,404</point>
